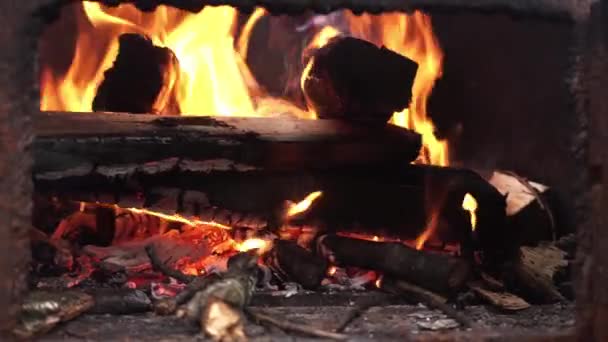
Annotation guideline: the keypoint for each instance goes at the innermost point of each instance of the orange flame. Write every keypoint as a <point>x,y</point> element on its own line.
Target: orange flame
<point>303,205</point>
<point>213,80</point>
<point>179,218</point>
<point>378,282</point>
<point>469,203</point>
<point>253,243</point>
<point>411,36</point>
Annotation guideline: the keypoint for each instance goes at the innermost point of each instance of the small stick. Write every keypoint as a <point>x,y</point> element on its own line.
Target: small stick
<point>432,300</point>
<point>264,319</point>
<point>541,202</point>
<point>357,312</point>
<point>160,266</point>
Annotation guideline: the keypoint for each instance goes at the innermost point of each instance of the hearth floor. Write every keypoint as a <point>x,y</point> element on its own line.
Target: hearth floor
<point>392,322</point>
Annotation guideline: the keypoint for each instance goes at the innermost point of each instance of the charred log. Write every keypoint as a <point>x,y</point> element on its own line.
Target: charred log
<point>141,79</point>
<point>120,301</point>
<point>103,144</point>
<point>364,200</point>
<point>535,212</point>
<point>353,79</point>
<point>372,200</point>
<point>297,264</point>
<point>436,272</point>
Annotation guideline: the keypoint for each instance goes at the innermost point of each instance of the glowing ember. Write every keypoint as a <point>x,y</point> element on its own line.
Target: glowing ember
<point>254,243</point>
<point>469,203</point>
<point>378,282</point>
<point>331,271</point>
<point>181,219</point>
<point>375,238</point>
<point>303,205</point>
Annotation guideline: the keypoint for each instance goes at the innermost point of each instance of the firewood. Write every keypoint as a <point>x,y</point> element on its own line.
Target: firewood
<point>297,264</point>
<point>43,310</point>
<point>159,265</point>
<point>234,287</point>
<point>353,79</point>
<point>373,200</point>
<point>72,144</point>
<point>502,300</point>
<point>222,322</point>
<point>535,212</point>
<point>141,79</point>
<point>436,272</point>
<point>119,301</point>
<point>534,271</point>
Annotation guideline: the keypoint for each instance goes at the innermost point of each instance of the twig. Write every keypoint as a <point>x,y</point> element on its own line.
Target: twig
<point>433,301</point>
<point>160,266</point>
<point>264,319</point>
<point>357,312</point>
<point>537,195</point>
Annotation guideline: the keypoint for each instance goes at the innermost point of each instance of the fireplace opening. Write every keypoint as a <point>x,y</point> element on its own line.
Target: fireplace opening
<point>203,165</point>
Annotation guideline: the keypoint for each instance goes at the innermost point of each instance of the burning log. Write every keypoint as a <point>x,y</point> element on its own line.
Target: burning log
<point>436,272</point>
<point>120,145</point>
<point>353,79</point>
<point>371,200</point>
<point>141,79</point>
<point>297,264</point>
<point>159,265</point>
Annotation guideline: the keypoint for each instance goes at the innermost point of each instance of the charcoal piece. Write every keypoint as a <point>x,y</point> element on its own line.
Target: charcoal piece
<point>297,264</point>
<point>141,79</point>
<point>120,301</point>
<point>109,275</point>
<point>353,79</point>
<point>436,272</point>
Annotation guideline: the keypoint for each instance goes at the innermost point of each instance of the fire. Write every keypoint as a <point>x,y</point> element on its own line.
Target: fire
<point>378,282</point>
<point>469,203</point>
<point>411,36</point>
<point>253,243</point>
<point>179,218</point>
<point>303,205</point>
<point>213,78</point>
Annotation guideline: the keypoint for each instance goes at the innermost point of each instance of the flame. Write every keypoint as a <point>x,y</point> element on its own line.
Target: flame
<point>331,271</point>
<point>213,77</point>
<point>323,37</point>
<point>179,218</point>
<point>303,205</point>
<point>253,243</point>
<point>378,282</point>
<point>411,36</point>
<point>428,231</point>
<point>469,203</point>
